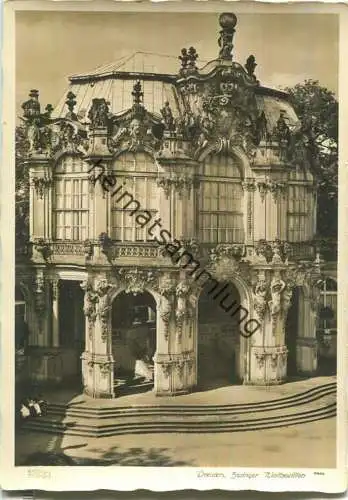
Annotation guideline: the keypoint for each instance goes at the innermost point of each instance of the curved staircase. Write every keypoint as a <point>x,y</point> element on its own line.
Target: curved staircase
<point>83,420</point>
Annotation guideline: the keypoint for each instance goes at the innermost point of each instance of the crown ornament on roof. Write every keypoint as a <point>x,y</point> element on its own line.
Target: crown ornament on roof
<point>227,21</point>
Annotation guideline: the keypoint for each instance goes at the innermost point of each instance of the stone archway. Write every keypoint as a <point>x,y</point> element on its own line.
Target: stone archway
<point>218,338</point>
<point>293,327</point>
<point>231,301</point>
<point>133,332</point>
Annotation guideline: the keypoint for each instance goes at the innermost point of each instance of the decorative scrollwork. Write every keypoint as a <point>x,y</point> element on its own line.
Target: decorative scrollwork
<point>136,280</point>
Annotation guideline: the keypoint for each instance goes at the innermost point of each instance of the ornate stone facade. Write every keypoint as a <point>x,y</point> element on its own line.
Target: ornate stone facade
<point>220,112</point>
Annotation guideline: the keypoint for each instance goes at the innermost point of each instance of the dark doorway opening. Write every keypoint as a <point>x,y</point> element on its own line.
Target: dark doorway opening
<point>291,332</point>
<point>71,326</point>
<point>218,337</point>
<point>134,341</point>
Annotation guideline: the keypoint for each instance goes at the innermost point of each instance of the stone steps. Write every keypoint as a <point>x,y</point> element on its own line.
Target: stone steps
<point>315,404</point>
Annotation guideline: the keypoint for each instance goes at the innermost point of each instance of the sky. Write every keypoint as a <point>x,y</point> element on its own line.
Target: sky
<point>51,45</point>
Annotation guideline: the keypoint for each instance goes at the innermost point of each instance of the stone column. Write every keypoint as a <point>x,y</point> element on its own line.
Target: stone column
<point>272,296</point>
<point>175,359</point>
<point>55,312</point>
<point>97,359</point>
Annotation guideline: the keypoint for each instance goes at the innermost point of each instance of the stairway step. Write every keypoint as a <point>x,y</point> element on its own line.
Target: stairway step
<point>80,410</point>
<point>184,428</point>
<point>97,404</point>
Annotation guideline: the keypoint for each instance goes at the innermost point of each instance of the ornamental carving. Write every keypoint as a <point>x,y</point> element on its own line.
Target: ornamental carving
<point>275,252</point>
<point>105,243</point>
<point>48,136</point>
<point>276,288</point>
<point>103,305</point>
<point>260,294</point>
<point>179,366</point>
<point>166,368</point>
<point>137,280</point>
<point>105,368</point>
<point>167,293</point>
<point>168,118</point>
<point>40,297</point>
<point>182,184</point>
<point>223,251</point>
<point>67,136</point>
<point>88,249</point>
<point>188,60</point>
<point>260,358</point>
<point>41,185</point>
<point>249,185</point>
<point>227,22</point>
<point>181,312</point>
<point>44,248</point>
<point>99,113</point>
<point>136,129</point>
<point>166,184</point>
<point>191,246</point>
<point>89,304</point>
<point>276,188</point>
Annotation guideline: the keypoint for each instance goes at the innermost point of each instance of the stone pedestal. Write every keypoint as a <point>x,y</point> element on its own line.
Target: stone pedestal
<point>268,365</point>
<point>98,375</point>
<point>307,355</point>
<point>174,373</point>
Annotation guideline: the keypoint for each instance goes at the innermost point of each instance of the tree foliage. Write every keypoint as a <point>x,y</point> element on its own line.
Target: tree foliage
<point>317,108</point>
<point>22,190</point>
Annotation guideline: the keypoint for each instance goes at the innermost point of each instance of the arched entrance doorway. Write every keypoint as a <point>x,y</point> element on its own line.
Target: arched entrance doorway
<point>133,341</point>
<point>218,345</point>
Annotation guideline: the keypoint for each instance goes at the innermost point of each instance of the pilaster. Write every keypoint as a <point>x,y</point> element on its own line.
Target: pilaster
<point>175,359</point>
<point>97,359</point>
<point>55,313</point>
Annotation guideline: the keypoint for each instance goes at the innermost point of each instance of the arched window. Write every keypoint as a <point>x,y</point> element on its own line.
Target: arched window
<point>70,204</point>
<point>328,303</point>
<point>137,173</point>
<point>220,210</point>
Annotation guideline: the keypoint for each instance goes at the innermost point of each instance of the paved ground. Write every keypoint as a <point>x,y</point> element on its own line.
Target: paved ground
<point>306,445</point>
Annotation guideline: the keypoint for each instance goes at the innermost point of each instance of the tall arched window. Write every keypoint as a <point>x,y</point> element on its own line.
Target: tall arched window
<point>328,303</point>
<point>137,173</point>
<point>220,210</point>
<point>301,206</point>
<point>70,204</point>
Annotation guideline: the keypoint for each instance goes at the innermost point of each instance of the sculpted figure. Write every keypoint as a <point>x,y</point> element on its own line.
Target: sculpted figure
<point>33,135</point>
<point>89,300</point>
<point>167,115</point>
<point>260,296</point>
<point>277,287</point>
<point>181,293</point>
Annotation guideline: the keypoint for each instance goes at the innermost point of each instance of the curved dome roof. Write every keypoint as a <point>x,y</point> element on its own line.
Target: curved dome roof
<point>114,82</point>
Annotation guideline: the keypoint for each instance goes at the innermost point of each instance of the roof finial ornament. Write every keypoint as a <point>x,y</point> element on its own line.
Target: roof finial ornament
<point>188,60</point>
<point>250,65</point>
<point>71,103</point>
<point>227,21</point>
<point>137,93</point>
